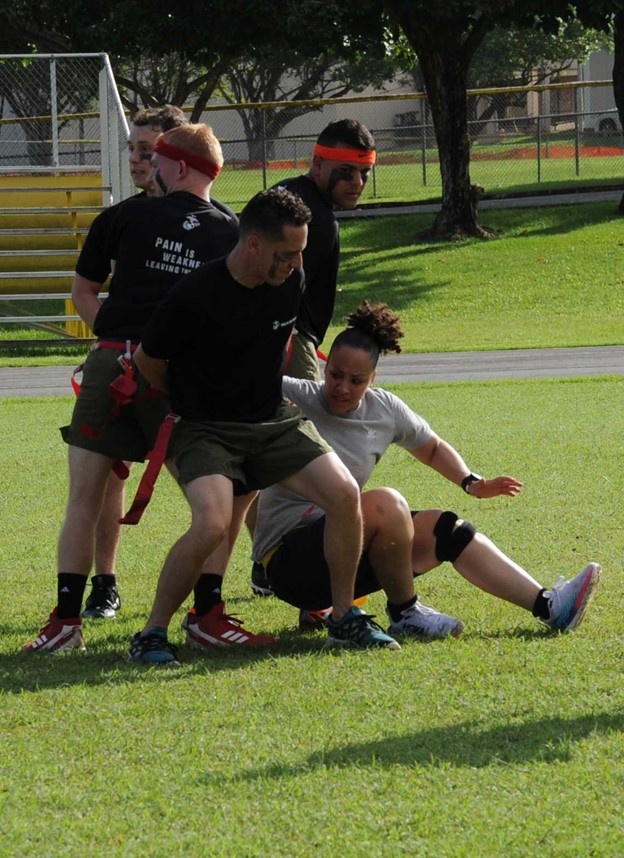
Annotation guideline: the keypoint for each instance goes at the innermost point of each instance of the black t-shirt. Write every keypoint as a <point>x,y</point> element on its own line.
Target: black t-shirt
<point>153,242</point>
<point>225,344</point>
<point>321,258</point>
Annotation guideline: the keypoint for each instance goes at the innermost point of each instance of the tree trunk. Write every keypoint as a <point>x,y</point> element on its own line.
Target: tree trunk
<point>444,52</point>
<point>445,82</point>
<point>618,74</point>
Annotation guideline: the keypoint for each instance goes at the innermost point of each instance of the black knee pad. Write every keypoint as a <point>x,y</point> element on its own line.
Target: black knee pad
<point>451,540</point>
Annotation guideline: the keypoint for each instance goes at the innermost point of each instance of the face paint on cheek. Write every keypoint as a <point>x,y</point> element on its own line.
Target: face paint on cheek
<point>157,178</point>
<point>334,177</point>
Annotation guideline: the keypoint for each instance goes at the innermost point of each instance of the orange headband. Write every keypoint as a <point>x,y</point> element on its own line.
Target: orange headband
<point>195,161</point>
<point>358,155</point>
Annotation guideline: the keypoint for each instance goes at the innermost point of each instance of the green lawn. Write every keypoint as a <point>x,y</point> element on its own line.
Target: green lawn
<point>552,277</point>
<point>506,741</point>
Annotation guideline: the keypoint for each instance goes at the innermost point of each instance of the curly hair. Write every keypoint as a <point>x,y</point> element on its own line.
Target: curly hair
<point>374,328</point>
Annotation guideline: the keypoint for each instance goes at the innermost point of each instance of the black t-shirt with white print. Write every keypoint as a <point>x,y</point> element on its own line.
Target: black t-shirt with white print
<point>153,242</point>
<point>225,344</point>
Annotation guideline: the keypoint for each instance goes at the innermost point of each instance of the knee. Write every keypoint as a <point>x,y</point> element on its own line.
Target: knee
<point>386,506</point>
<point>452,535</point>
<point>344,497</point>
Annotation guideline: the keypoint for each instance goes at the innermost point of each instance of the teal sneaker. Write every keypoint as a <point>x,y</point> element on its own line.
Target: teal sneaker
<point>568,600</point>
<point>153,648</point>
<point>357,629</point>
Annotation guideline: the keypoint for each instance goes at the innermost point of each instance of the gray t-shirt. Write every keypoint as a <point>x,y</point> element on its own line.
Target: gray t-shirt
<point>360,438</point>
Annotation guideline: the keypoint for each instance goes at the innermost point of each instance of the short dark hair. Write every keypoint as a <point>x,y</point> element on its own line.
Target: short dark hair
<point>160,118</point>
<point>348,131</point>
<point>268,212</point>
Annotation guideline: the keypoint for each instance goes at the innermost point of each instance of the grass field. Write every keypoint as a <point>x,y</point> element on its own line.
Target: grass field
<point>508,740</point>
<point>552,277</point>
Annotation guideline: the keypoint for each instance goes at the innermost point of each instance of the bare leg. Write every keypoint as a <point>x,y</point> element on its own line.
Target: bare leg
<point>88,475</point>
<point>252,515</point>
<point>481,563</point>
<point>388,538</point>
<point>211,502</point>
<point>329,485</point>
<point>485,566</point>
<point>108,529</point>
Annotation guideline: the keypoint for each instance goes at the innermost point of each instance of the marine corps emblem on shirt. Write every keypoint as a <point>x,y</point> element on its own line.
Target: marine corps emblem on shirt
<point>191,222</point>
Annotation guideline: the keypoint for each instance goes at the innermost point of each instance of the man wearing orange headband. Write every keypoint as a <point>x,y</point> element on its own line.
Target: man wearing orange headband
<point>153,242</point>
<point>342,159</point>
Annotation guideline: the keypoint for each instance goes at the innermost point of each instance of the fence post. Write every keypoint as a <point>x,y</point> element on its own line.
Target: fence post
<point>264,152</point>
<point>423,138</point>
<point>104,125</point>
<point>54,111</point>
<point>115,130</point>
<point>539,137</point>
<point>577,135</point>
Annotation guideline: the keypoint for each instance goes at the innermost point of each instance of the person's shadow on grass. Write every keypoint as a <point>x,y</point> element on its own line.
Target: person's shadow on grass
<point>466,744</point>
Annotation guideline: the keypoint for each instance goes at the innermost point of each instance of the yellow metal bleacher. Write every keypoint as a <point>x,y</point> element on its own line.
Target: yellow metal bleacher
<point>43,222</point>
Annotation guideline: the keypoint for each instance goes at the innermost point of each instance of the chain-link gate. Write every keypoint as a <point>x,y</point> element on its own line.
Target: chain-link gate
<point>63,136</point>
<point>62,114</point>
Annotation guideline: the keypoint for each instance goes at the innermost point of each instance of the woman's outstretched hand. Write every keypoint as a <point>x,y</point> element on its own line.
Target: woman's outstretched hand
<point>493,488</point>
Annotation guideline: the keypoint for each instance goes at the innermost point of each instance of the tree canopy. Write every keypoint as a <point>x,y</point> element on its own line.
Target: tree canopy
<point>199,40</point>
<point>445,38</point>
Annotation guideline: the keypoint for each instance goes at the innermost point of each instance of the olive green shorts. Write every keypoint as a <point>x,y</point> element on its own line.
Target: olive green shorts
<point>252,455</point>
<point>303,362</point>
<point>129,435</point>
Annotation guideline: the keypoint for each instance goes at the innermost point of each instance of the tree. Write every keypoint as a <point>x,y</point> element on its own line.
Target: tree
<point>618,74</point>
<point>445,38</point>
<point>514,56</point>
<point>285,80</point>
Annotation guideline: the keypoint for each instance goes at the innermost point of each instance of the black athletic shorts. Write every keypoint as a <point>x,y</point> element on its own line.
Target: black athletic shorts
<point>298,572</point>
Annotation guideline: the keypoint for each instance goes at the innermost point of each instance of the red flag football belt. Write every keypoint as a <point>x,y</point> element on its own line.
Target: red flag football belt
<point>122,391</point>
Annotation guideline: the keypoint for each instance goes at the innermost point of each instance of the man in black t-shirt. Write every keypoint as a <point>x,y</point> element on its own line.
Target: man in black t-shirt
<point>103,601</point>
<point>236,433</point>
<point>342,159</point>
<point>153,242</point>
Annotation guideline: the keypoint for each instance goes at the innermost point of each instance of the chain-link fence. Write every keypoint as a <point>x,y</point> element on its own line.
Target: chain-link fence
<point>522,138</point>
<point>61,114</point>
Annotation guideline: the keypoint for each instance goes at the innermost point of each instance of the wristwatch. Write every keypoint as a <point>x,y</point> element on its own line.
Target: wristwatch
<point>469,480</point>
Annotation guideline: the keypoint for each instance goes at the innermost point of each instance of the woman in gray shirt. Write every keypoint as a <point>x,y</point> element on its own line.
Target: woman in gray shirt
<point>361,422</point>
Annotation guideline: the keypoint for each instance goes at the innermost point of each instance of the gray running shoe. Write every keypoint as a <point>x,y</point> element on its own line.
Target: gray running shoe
<point>426,622</point>
<point>568,600</point>
<point>153,648</point>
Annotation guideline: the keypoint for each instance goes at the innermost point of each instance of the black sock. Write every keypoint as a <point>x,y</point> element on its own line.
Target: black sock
<point>70,589</point>
<point>207,592</point>
<point>104,581</point>
<point>396,611</point>
<point>541,609</point>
